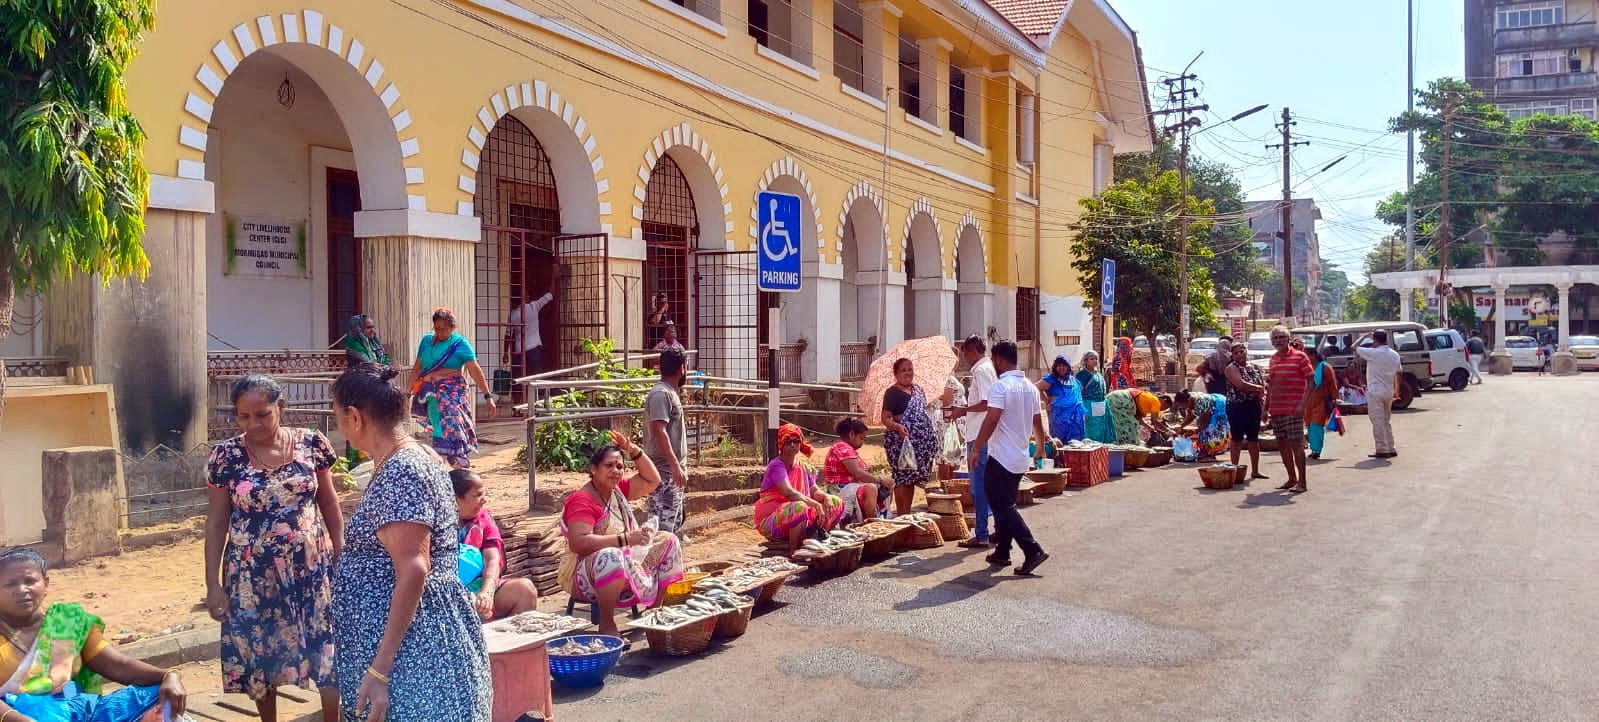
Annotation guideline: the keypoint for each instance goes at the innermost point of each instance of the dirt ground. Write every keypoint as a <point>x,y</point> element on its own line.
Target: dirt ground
<point>160,589</point>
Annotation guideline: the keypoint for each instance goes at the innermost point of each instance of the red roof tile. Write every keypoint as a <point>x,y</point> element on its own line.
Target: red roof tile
<point>1032,17</point>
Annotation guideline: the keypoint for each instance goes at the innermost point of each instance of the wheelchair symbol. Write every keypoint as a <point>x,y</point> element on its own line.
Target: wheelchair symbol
<point>775,230</point>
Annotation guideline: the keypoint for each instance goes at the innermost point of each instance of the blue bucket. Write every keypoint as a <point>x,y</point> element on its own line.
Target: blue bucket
<point>577,671</point>
<point>1117,462</point>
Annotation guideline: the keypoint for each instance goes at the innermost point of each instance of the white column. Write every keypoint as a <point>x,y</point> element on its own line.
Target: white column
<point>1564,364</point>
<point>820,362</point>
<point>1406,303</point>
<point>1499,361</point>
<point>976,85</point>
<point>879,45</point>
<point>932,65</point>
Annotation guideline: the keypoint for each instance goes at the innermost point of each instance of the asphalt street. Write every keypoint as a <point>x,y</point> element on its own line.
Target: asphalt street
<point>1453,582</point>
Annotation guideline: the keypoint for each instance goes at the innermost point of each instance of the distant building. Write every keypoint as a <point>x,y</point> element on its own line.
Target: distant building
<point>1265,218</point>
<point>1534,57</point>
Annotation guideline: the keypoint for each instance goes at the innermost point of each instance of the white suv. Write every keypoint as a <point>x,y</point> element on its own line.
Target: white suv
<point>1448,351</point>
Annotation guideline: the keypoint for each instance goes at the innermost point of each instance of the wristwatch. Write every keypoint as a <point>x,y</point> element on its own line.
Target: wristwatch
<point>488,396</point>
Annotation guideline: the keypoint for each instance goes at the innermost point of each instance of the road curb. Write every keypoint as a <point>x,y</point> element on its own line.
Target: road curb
<point>195,645</point>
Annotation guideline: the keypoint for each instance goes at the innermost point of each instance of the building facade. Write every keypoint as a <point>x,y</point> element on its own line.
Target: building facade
<point>1265,219</point>
<point>310,162</point>
<point>1534,57</point>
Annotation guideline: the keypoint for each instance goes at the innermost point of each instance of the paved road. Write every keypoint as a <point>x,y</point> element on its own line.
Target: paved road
<point>1455,582</point>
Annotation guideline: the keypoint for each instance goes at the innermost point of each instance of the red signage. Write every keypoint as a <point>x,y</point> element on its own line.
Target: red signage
<point>1238,328</point>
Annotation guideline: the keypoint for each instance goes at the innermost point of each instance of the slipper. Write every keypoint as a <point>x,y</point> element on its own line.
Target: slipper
<point>974,543</point>
<point>1287,486</point>
<point>997,561</point>
<point>1259,476</point>
<point>1299,489</point>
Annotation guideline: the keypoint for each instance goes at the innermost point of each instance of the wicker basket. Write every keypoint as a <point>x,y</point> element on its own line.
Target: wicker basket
<point>714,569</point>
<point>1242,474</point>
<point>952,527</point>
<point>1158,456</point>
<point>1217,477</point>
<point>1137,458</point>
<point>768,591</point>
<point>957,486</point>
<point>882,545</point>
<point>843,561</point>
<point>682,589</point>
<point>1268,443</point>
<point>691,638</point>
<point>920,538</point>
<point>734,622</point>
<point>944,503</point>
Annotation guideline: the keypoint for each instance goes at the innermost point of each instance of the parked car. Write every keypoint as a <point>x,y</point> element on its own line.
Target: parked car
<point>1586,349</point>
<point>1449,363</point>
<point>1203,345</point>
<point>1337,344</point>
<point>1260,347</point>
<point>1523,352</point>
<point>1142,342</point>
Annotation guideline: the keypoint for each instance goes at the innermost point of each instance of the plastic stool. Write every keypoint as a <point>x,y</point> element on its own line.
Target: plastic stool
<point>594,609</point>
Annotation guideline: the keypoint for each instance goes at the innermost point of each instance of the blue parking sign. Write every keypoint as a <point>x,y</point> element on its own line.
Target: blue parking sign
<point>778,242</point>
<point>1107,287</point>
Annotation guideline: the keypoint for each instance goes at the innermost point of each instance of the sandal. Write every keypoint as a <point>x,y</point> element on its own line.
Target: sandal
<point>1285,487</point>
<point>1299,489</point>
<point>974,543</point>
<point>1259,476</point>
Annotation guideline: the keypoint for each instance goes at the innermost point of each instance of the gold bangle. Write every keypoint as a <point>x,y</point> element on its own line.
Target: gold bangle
<point>369,670</point>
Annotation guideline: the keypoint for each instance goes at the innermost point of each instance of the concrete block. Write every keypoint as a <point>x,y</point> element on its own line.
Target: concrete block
<point>1500,363</point>
<point>82,512</point>
<point>1563,364</point>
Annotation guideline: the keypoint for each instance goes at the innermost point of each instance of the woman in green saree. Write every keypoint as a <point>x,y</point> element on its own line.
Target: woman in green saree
<point>55,658</point>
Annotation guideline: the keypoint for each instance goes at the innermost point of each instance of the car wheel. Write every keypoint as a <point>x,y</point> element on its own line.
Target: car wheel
<point>1407,394</point>
<point>1458,379</point>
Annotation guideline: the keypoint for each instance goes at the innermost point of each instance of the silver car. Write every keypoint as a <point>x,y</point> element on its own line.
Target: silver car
<point>1586,349</point>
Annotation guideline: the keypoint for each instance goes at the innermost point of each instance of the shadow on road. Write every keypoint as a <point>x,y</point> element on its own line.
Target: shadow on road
<point>1370,464</point>
<point>1272,498</point>
<point>959,589</point>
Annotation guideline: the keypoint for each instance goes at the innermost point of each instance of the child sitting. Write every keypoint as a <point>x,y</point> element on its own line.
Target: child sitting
<point>493,595</point>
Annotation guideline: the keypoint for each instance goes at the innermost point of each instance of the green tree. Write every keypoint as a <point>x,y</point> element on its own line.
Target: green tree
<point>1367,302</point>
<point>1136,224</point>
<point>1551,184</point>
<point>1271,293</point>
<point>72,186</point>
<point>1335,288</point>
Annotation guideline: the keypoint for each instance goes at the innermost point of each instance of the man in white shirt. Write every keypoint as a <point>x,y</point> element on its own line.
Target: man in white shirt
<point>1012,417</point>
<point>975,350</point>
<point>1384,378</point>
<point>524,330</point>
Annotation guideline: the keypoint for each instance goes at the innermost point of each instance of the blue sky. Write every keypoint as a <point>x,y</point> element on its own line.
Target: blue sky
<point>1340,66</point>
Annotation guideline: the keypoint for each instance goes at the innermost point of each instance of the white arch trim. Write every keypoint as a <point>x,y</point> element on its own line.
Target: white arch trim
<point>308,28</point>
<point>682,135</point>
<point>787,166</point>
<point>537,94</point>
<point>861,190</point>
<point>921,207</point>
<point>969,222</point>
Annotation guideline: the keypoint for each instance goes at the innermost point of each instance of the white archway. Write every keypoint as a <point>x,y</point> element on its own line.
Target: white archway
<point>574,154</point>
<point>927,310</point>
<point>703,171</point>
<point>863,253</point>
<point>973,301</point>
<point>375,121</point>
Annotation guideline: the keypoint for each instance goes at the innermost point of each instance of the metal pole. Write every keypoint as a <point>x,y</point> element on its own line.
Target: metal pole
<point>1288,221</point>
<point>882,274</point>
<point>774,331</point>
<point>1410,137</point>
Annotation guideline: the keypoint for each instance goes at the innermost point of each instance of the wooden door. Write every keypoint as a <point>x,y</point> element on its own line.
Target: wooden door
<point>344,251</point>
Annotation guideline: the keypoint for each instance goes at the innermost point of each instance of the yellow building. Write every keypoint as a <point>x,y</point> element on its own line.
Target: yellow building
<point>313,161</point>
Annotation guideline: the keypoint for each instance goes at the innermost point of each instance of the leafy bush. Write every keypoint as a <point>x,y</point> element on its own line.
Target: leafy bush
<point>569,444</point>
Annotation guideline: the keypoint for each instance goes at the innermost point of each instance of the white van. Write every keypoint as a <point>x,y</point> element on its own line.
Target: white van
<point>1448,351</point>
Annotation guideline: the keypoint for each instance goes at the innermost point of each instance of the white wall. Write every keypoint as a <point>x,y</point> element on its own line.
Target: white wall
<point>1064,315</point>
<point>27,329</point>
<point>260,157</point>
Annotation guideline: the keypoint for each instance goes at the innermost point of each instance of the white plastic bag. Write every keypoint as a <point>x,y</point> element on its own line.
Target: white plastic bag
<point>952,450</point>
<point>907,457</point>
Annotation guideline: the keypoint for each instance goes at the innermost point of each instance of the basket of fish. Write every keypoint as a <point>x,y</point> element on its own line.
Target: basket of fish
<point>678,630</point>
<point>760,579</point>
<point>881,537</point>
<point>1220,476</point>
<point>583,660</point>
<point>737,608</point>
<point>840,552</point>
<point>923,534</point>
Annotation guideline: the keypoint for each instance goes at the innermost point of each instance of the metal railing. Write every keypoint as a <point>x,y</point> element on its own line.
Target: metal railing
<point>855,359</point>
<point>36,367</point>
<point>274,361</point>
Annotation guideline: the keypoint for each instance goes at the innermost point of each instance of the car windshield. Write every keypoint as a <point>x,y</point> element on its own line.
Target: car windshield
<point>1585,341</point>
<point>1521,343</point>
<point>1260,344</point>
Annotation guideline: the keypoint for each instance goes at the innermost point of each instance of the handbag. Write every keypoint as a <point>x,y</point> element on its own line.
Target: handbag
<point>502,382</point>
<point>1335,422</point>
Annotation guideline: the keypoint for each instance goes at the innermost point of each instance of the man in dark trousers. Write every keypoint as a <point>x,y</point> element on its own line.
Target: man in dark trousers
<point>1011,419</point>
<point>1476,350</point>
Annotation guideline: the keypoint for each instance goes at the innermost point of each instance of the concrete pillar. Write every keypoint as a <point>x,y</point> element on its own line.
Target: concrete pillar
<point>82,501</point>
<point>1499,363</point>
<point>935,307</point>
<point>880,46</point>
<point>1406,303</point>
<point>934,67</point>
<point>1564,364</point>
<point>813,315</point>
<point>975,302</point>
<point>403,278</point>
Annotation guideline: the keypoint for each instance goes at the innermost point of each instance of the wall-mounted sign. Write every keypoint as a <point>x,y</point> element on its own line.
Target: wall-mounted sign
<point>1519,306</point>
<point>265,247</point>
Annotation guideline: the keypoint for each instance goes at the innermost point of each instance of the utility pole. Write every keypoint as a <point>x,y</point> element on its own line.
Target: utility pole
<point>1287,231</point>
<point>1443,213</point>
<point>1410,137</point>
<point>1179,93</point>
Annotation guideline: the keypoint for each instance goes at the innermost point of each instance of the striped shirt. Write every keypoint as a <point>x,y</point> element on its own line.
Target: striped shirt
<point>1287,376</point>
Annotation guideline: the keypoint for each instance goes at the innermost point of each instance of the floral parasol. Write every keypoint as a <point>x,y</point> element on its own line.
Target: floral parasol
<point>934,360</point>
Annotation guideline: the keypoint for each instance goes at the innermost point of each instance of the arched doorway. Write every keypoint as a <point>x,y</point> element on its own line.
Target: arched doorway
<point>924,276</point>
<point>671,230</point>
<point>296,144</point>
<point>971,276</point>
<point>801,324</point>
<point>864,259</point>
<point>518,201</point>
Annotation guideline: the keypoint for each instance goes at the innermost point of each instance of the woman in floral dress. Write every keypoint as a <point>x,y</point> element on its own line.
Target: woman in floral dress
<point>410,644</point>
<point>905,414</point>
<point>273,530</point>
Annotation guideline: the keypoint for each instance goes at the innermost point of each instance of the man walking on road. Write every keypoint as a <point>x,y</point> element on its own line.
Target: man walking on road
<point>1476,351</point>
<point>975,351</point>
<point>666,441</point>
<point>1012,415</point>
<point>1384,377</point>
<point>1289,379</point>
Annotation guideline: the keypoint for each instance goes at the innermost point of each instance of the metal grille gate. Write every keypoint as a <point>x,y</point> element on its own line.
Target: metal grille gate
<point>584,295</point>
<point>727,313</point>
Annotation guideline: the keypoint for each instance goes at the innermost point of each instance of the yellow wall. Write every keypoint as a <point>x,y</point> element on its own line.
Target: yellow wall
<point>445,65</point>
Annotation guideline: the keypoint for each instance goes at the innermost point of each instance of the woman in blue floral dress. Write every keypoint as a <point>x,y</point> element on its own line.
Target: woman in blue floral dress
<point>273,529</point>
<point>410,645</point>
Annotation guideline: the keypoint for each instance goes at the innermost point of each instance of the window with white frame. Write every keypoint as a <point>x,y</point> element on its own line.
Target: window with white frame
<point>1517,111</point>
<point>1541,62</point>
<point>1583,107</point>
<point>1528,15</point>
<point>709,9</point>
<point>849,43</point>
<point>782,27</point>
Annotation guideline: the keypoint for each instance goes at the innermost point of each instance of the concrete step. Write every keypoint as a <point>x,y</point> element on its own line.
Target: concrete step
<point>704,502</point>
